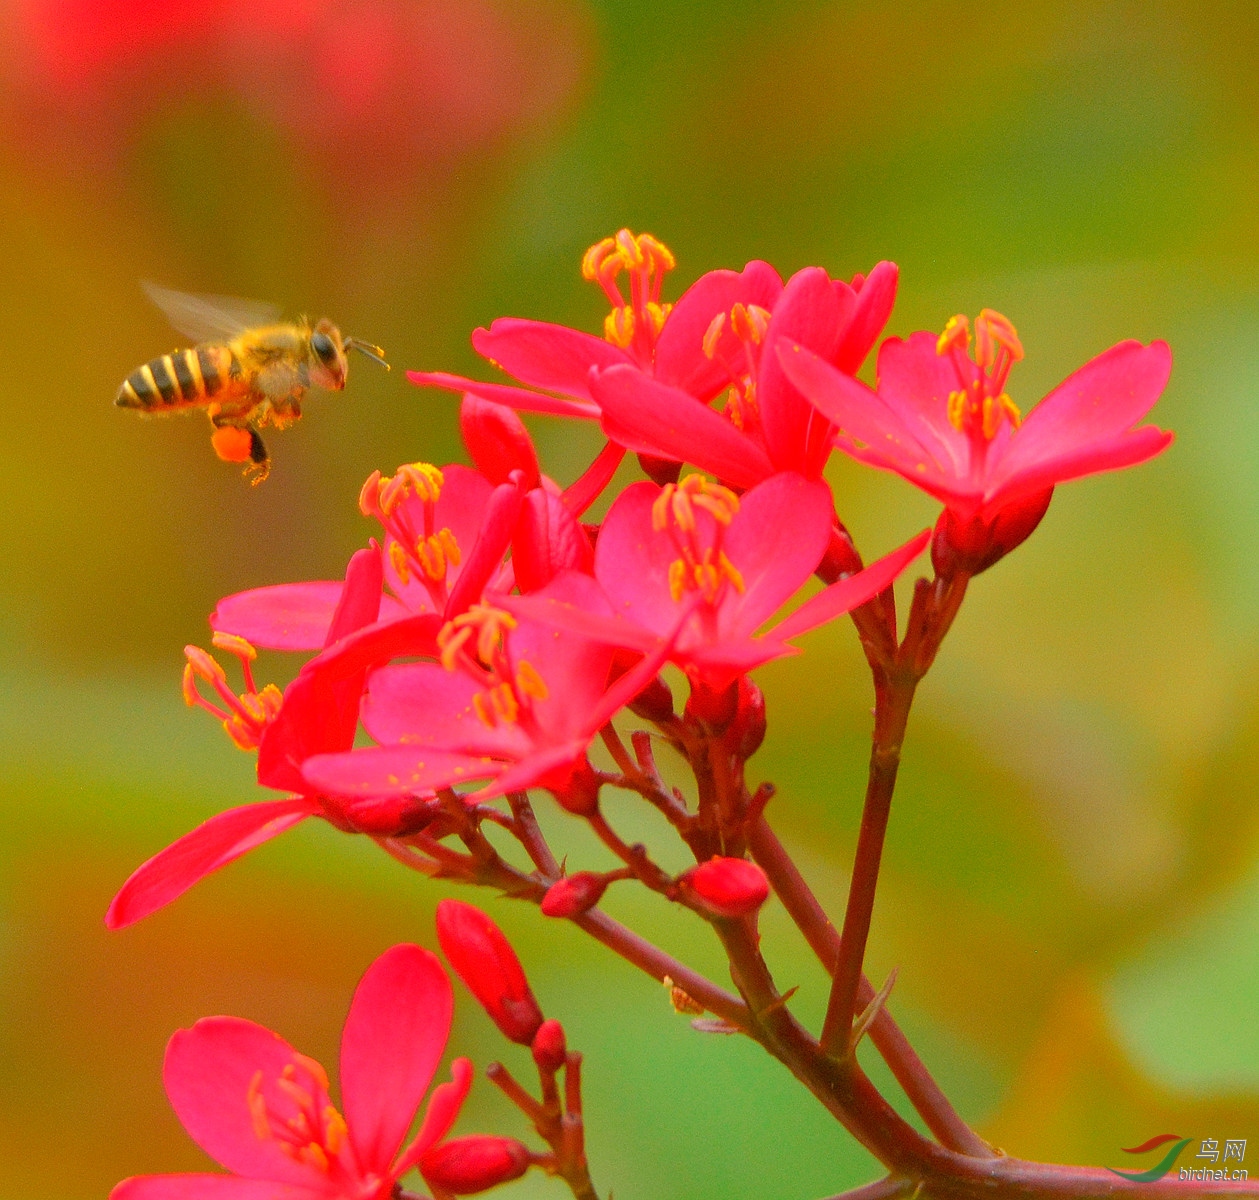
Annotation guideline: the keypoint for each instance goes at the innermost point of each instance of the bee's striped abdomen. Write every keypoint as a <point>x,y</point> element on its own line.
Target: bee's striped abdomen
<point>182,378</point>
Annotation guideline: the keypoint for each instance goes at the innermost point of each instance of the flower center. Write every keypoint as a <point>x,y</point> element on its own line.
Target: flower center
<point>475,642</point>
<point>701,565</point>
<point>634,325</point>
<point>980,406</point>
<point>315,1134</point>
<point>415,549</point>
<point>748,323</point>
<point>246,716</point>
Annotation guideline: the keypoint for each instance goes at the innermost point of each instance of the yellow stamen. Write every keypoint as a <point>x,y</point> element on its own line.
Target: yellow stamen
<point>732,573</point>
<point>450,641</point>
<point>334,1129</point>
<point>234,645</point>
<point>191,699</point>
<point>420,479</point>
<point>749,322</point>
<point>483,711</point>
<point>592,261</point>
<point>530,682</point>
<point>657,314</point>
<point>257,1104</point>
<point>398,560</point>
<point>712,335</point>
<point>505,703</point>
<point>450,547</point>
<point>992,329</point>
<point>677,579</point>
<point>428,552</point>
<point>957,411</point>
<point>203,666</point>
<point>618,326</point>
<point>956,333</point>
<point>313,1153</point>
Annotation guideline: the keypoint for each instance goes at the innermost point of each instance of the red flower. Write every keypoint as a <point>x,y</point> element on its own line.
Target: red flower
<point>467,1165</point>
<point>943,421</point>
<point>264,1112</point>
<point>698,545</point>
<point>318,713</point>
<point>665,341</point>
<point>483,958</point>
<point>767,425</point>
<point>511,701</point>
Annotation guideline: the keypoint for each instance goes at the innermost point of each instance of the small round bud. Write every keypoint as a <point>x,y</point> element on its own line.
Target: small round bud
<point>841,557</point>
<point>467,1165</point>
<point>579,793</point>
<point>728,887</point>
<point>747,730</point>
<point>483,958</point>
<point>654,703</point>
<point>550,1048</point>
<point>973,544</point>
<point>712,708</point>
<point>574,894</point>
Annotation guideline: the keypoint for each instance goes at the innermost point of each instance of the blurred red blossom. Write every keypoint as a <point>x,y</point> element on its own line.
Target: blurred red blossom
<point>263,1111</point>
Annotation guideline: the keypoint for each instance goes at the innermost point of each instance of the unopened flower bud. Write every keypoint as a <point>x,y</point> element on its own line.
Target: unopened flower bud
<point>841,557</point>
<point>574,894</point>
<point>728,887</point>
<point>467,1165</point>
<point>579,792</point>
<point>483,958</point>
<point>550,1048</point>
<point>659,470</point>
<point>713,708</point>
<point>973,544</point>
<point>383,816</point>
<point>497,441</point>
<point>747,730</point>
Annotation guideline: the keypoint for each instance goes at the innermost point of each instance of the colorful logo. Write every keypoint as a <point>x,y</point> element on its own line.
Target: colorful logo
<point>1161,1168</point>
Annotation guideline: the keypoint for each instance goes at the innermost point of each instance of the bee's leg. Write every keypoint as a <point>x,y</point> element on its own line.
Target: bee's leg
<point>235,442</point>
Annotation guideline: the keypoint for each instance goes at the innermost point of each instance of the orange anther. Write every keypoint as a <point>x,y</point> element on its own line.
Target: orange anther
<point>618,326</point>
<point>712,335</point>
<point>234,645</point>
<point>956,334</point>
<point>203,666</point>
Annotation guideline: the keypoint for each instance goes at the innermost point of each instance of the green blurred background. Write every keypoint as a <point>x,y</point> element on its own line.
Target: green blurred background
<point>1072,880</point>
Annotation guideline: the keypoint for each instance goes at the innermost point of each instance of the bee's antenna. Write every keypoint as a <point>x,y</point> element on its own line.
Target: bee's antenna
<point>375,353</point>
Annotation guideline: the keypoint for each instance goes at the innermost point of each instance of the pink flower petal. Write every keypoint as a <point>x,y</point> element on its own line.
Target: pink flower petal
<point>439,1116</point>
<point>857,410</point>
<point>287,616</point>
<point>395,770</point>
<point>849,593</point>
<point>552,357</point>
<point>423,704</point>
<point>610,629</point>
<point>1126,450</point>
<point>584,491</point>
<point>520,399</point>
<point>680,358</point>
<point>773,567</point>
<point>873,307</point>
<point>359,604</point>
<point>548,540</point>
<point>483,557</point>
<point>214,844</point>
<point>652,418</point>
<point>210,1187</point>
<point>1103,399</point>
<point>209,1072</point>
<point>393,1040</point>
<point>811,313</point>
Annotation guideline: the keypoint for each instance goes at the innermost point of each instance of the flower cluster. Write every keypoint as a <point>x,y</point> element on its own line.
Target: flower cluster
<point>490,634</point>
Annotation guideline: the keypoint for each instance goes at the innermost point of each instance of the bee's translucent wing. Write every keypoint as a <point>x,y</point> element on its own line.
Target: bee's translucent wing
<point>210,318</point>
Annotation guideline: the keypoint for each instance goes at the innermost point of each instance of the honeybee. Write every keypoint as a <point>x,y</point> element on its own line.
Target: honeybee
<point>248,370</point>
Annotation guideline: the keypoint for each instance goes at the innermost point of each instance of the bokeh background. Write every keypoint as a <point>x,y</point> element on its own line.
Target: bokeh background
<point>1072,881</point>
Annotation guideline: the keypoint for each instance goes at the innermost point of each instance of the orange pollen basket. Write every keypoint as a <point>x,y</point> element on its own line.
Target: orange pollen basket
<point>314,1134</point>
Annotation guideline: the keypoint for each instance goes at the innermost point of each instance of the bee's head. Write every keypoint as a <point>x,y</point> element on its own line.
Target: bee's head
<point>328,351</point>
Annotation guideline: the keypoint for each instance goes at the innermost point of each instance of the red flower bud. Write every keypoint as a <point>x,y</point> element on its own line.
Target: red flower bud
<point>728,887</point>
<point>549,1046</point>
<point>483,958</point>
<point>747,730</point>
<point>712,708</point>
<point>972,545</point>
<point>841,557</point>
<point>574,894</point>
<point>578,791</point>
<point>548,540</point>
<point>467,1165</point>
<point>497,441</point>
